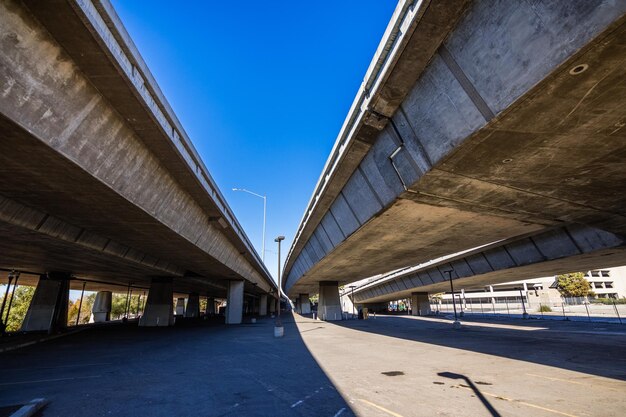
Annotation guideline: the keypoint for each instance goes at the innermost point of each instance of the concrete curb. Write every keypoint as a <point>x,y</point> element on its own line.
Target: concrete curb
<point>39,340</point>
<point>31,408</point>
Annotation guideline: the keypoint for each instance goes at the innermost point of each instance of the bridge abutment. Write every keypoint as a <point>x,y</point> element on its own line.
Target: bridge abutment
<point>263,305</point>
<point>420,304</point>
<point>193,305</point>
<point>48,308</point>
<point>159,306</point>
<point>234,303</point>
<point>329,306</point>
<point>101,309</point>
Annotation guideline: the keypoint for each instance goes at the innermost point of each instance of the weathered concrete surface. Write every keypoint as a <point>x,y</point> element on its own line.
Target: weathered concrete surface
<point>566,249</point>
<point>97,176</point>
<point>420,304</point>
<point>202,370</point>
<point>234,303</point>
<point>48,308</point>
<point>193,306</point>
<point>101,309</point>
<point>397,366</point>
<point>159,305</point>
<point>514,126</point>
<point>329,304</point>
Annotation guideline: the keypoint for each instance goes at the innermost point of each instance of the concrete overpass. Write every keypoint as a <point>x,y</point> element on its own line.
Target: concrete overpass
<point>98,179</point>
<point>477,122</point>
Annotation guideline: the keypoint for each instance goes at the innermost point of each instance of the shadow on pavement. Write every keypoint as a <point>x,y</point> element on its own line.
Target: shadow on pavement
<point>203,370</point>
<point>592,348</point>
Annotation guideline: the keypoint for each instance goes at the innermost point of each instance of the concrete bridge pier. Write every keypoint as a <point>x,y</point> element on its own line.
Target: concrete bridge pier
<point>101,309</point>
<point>234,302</point>
<point>263,305</point>
<point>304,303</point>
<point>48,308</point>
<point>159,306</point>
<point>329,305</point>
<point>180,306</point>
<point>272,305</point>
<point>193,305</point>
<point>420,304</point>
<point>210,307</point>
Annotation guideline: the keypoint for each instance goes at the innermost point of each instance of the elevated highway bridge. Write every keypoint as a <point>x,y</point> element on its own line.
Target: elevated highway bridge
<point>478,123</point>
<point>98,180</point>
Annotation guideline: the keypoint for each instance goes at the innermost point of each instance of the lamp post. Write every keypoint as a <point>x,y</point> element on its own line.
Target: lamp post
<point>456,324</point>
<point>264,216</point>
<point>279,330</point>
<point>352,287</point>
<point>521,295</point>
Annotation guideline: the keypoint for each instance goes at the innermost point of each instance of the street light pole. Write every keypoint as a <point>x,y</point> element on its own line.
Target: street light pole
<point>456,324</point>
<point>278,328</point>
<point>352,287</point>
<point>264,216</point>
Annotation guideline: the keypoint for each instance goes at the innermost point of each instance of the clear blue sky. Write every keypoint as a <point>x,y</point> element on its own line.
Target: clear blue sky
<point>262,89</point>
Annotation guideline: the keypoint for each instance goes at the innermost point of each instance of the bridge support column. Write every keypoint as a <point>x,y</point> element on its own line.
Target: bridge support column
<point>420,304</point>
<point>101,309</point>
<point>193,305</point>
<point>180,306</point>
<point>304,303</point>
<point>159,306</point>
<point>48,308</point>
<point>329,306</point>
<point>234,303</point>
<point>210,307</point>
<point>263,305</point>
<point>272,305</point>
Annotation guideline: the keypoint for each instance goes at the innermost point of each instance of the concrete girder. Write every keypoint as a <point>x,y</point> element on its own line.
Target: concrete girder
<point>563,249</point>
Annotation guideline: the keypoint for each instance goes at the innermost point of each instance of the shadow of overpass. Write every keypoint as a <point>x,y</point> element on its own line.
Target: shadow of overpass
<point>205,370</point>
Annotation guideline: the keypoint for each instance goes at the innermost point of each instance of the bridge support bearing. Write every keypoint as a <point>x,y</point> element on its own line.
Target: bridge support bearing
<point>180,306</point>
<point>420,304</point>
<point>101,309</point>
<point>304,303</point>
<point>263,305</point>
<point>48,308</point>
<point>329,305</point>
<point>193,305</point>
<point>159,306</point>
<point>234,304</point>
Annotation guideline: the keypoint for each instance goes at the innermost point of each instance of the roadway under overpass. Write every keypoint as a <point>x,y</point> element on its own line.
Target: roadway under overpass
<point>477,122</point>
<point>98,179</point>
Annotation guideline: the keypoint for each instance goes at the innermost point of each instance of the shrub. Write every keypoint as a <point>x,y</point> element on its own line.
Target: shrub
<point>545,309</point>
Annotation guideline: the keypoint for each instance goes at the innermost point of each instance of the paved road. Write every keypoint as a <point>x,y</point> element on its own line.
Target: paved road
<point>183,371</point>
<point>409,366</point>
<point>388,366</point>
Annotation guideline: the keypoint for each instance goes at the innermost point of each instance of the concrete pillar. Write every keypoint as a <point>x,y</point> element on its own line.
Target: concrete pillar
<point>493,299</point>
<point>180,306</point>
<point>101,309</point>
<point>48,308</point>
<point>210,306</point>
<point>305,304</point>
<point>234,303</point>
<point>263,305</point>
<point>193,305</point>
<point>329,306</point>
<point>272,305</point>
<point>420,303</point>
<point>159,305</point>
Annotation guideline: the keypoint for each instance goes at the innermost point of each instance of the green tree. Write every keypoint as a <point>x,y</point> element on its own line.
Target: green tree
<point>85,310</point>
<point>21,301</point>
<point>574,284</point>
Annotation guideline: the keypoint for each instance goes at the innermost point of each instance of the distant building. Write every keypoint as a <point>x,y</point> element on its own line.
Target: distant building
<point>605,283</point>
